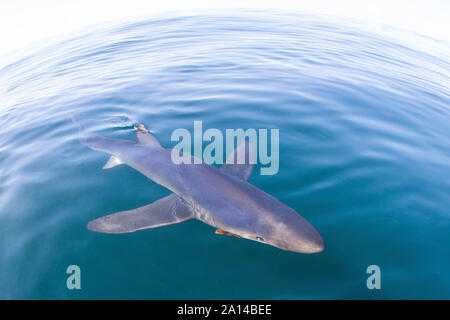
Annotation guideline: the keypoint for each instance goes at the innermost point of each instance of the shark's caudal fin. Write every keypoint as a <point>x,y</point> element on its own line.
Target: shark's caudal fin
<point>165,211</point>
<point>100,143</point>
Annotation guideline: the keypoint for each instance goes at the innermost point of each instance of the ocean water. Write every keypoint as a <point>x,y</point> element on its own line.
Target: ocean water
<point>363,115</point>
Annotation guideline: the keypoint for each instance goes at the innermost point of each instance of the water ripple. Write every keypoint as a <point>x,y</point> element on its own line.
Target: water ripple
<point>364,155</point>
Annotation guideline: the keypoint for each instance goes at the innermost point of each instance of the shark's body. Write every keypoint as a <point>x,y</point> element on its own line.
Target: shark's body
<point>221,198</point>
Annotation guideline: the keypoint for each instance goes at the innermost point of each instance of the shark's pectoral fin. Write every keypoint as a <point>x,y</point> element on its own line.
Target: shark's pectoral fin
<point>220,231</point>
<point>112,162</point>
<point>240,162</point>
<point>165,211</point>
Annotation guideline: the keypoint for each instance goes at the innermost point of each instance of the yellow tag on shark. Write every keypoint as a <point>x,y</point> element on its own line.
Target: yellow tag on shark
<point>220,231</point>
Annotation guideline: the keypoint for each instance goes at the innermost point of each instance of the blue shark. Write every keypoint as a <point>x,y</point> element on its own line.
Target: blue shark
<point>220,197</point>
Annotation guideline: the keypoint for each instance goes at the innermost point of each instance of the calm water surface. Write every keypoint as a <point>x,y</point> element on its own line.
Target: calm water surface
<point>364,156</point>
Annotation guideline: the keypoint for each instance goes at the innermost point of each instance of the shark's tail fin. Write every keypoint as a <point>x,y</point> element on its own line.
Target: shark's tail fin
<point>74,120</point>
<point>99,143</point>
<point>82,134</point>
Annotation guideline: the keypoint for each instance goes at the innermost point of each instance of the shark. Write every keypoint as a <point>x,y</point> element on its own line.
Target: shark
<point>219,197</point>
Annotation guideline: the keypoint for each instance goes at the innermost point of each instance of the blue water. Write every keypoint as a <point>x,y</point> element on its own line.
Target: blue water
<point>364,127</point>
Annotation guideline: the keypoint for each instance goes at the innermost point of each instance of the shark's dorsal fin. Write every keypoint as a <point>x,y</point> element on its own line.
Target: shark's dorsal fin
<point>234,166</point>
<point>165,211</point>
<point>112,162</point>
<point>145,137</point>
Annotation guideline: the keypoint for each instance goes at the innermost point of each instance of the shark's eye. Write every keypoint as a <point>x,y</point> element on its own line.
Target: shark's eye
<point>259,239</point>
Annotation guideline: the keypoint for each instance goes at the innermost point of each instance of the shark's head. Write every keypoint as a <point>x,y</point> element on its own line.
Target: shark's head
<point>287,231</point>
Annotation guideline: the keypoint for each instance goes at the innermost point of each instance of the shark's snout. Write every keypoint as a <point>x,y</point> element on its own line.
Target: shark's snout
<point>297,235</point>
<point>310,241</point>
<point>313,245</point>
<point>301,244</point>
<point>319,246</point>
